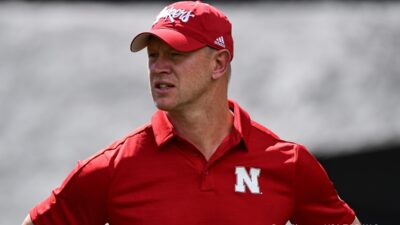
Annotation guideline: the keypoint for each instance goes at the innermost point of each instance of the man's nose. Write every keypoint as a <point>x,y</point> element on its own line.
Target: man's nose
<point>160,65</point>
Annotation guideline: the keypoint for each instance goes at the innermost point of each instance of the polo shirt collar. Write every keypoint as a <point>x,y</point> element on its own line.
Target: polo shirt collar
<point>162,128</point>
<point>241,122</point>
<point>164,131</point>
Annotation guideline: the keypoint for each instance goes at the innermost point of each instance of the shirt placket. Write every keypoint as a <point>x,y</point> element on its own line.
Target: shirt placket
<point>200,164</point>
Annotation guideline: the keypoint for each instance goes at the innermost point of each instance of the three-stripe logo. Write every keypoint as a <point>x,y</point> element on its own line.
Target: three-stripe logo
<point>220,41</point>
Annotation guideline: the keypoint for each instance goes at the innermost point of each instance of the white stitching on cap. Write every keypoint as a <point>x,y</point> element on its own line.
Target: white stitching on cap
<point>173,14</point>
<point>220,41</point>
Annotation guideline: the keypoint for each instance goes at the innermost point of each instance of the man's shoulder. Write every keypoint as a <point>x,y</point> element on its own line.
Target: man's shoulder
<point>262,130</point>
<point>263,139</point>
<point>139,134</point>
<point>120,146</point>
<point>102,163</point>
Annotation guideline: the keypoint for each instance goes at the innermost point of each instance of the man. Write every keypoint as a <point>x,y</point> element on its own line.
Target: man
<point>201,160</point>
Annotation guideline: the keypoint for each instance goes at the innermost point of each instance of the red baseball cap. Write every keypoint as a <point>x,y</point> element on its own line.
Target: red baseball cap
<point>187,26</point>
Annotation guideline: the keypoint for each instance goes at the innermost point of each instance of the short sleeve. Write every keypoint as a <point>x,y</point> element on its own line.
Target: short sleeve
<point>316,200</point>
<point>81,199</point>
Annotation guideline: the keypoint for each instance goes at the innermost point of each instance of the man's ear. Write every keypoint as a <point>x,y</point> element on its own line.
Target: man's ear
<point>221,62</point>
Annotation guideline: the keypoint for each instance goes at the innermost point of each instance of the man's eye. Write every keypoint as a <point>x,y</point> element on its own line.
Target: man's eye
<point>174,54</point>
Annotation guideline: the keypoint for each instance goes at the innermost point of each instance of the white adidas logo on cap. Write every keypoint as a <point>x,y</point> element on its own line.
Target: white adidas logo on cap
<point>220,41</point>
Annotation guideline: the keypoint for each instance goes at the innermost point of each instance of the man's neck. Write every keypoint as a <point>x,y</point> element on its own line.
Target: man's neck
<point>204,127</point>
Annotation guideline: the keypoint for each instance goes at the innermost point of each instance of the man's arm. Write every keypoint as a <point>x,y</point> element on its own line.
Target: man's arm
<point>356,222</point>
<point>27,220</point>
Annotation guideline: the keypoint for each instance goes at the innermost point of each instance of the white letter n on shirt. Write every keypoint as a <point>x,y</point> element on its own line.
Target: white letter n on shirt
<point>242,178</point>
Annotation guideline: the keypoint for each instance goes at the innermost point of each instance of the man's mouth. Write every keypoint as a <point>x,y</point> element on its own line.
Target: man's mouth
<point>163,85</point>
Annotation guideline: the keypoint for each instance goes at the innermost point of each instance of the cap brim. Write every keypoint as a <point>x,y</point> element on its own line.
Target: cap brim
<point>173,38</point>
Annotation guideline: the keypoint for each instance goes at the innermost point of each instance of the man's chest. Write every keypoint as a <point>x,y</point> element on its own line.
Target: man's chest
<point>181,189</point>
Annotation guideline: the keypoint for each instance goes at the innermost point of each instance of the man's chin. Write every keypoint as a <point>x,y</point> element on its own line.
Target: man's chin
<point>164,106</point>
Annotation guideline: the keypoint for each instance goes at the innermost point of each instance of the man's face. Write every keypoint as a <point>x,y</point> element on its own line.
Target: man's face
<point>178,80</point>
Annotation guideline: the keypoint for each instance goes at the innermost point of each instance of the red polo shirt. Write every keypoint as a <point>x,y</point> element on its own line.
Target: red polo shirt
<point>153,176</point>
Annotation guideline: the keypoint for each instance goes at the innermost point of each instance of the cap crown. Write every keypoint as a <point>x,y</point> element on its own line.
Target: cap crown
<point>197,20</point>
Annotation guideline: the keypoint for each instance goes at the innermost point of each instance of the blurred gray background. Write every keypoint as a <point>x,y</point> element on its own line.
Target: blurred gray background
<point>325,74</point>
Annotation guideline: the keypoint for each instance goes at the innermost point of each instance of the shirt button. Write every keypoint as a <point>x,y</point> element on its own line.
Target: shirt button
<point>205,173</point>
